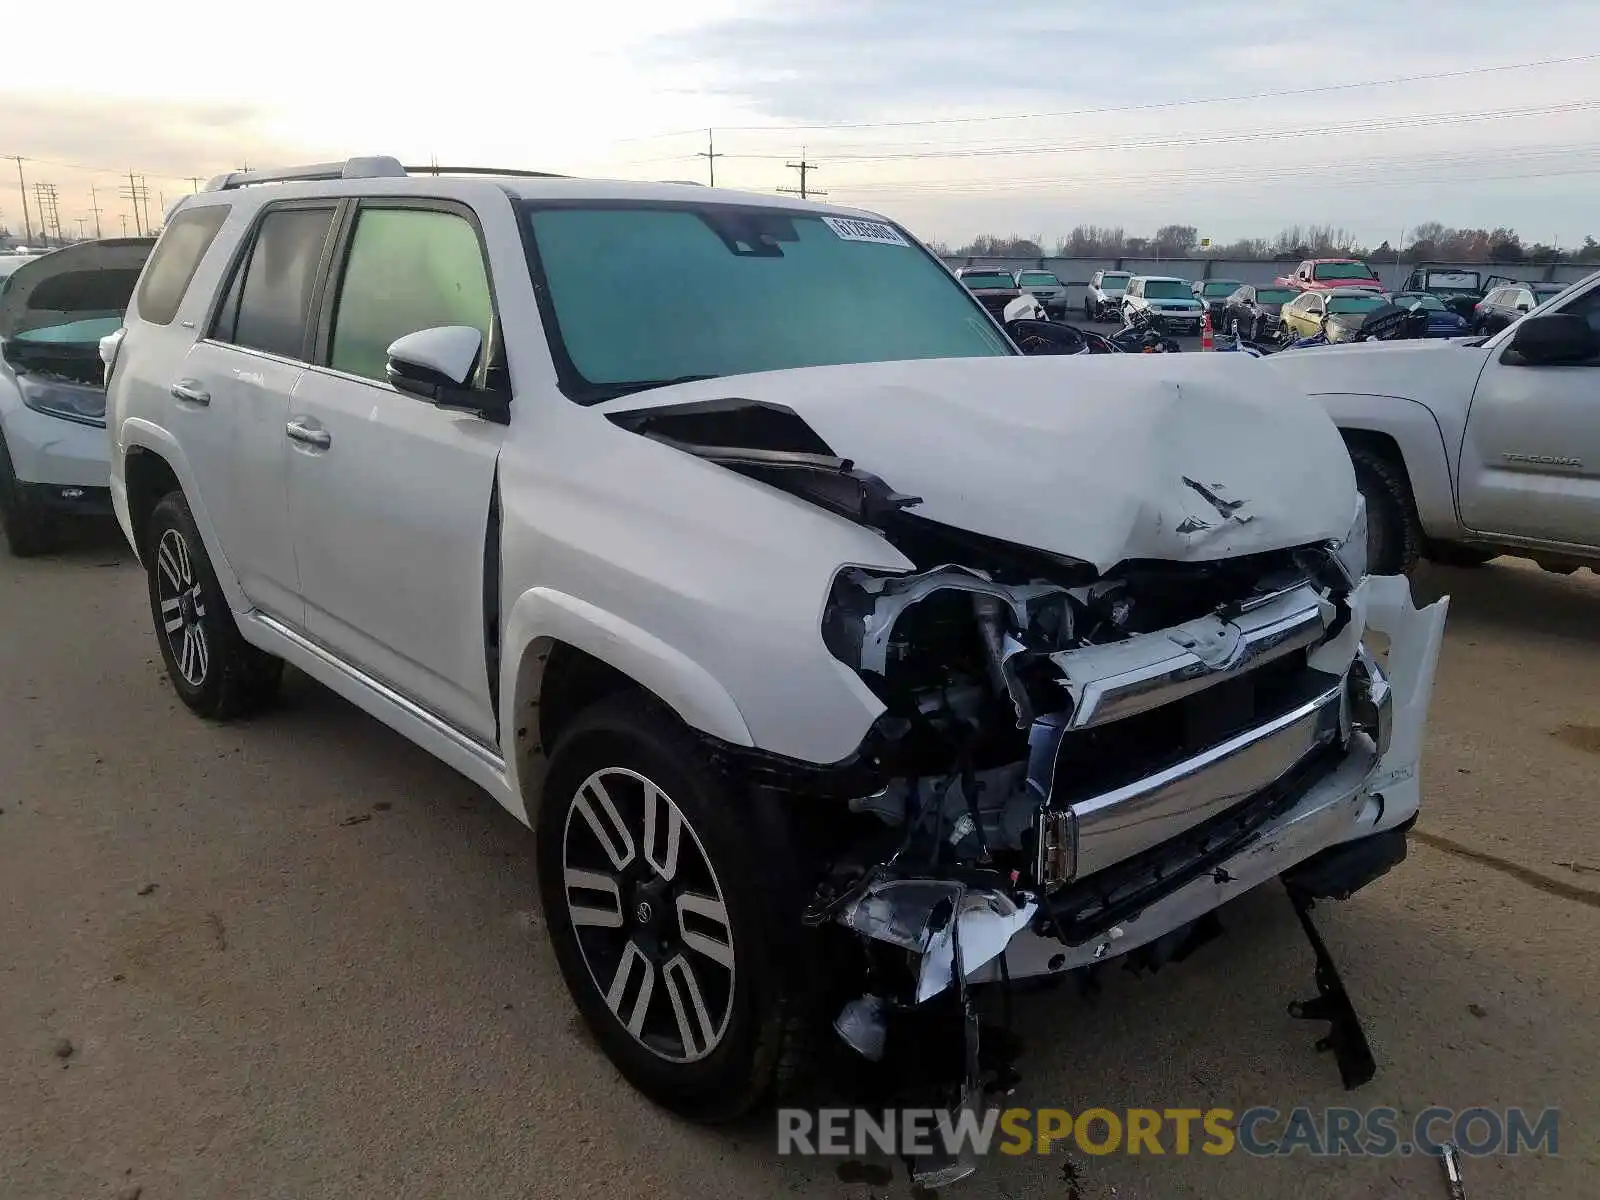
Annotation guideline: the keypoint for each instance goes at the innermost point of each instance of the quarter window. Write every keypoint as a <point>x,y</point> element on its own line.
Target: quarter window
<point>175,260</point>
<point>269,302</point>
<point>408,269</point>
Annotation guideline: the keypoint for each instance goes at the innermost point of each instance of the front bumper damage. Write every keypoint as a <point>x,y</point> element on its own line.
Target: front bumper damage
<point>1320,795</point>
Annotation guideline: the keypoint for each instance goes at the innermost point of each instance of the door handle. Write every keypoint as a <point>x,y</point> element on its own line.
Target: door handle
<point>309,433</point>
<point>190,392</point>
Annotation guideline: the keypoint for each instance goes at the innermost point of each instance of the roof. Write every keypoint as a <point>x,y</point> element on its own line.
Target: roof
<point>1163,278</point>
<point>1336,260</point>
<point>375,175</point>
<point>1336,293</point>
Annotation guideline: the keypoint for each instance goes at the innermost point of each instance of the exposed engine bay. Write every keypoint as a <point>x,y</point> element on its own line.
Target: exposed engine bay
<point>1074,764</point>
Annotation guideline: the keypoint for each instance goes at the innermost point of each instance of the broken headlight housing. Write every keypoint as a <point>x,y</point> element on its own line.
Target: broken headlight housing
<point>1352,550</point>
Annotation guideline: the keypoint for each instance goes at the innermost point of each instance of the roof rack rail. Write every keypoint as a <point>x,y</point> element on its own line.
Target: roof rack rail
<point>372,167</point>
<point>375,167</point>
<point>431,169</point>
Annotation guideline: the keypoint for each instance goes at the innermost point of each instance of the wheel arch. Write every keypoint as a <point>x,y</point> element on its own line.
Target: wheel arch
<point>152,455</point>
<point>565,654</point>
<point>1407,434</point>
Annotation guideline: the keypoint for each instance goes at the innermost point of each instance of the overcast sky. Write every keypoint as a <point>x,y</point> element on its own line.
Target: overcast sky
<point>627,88</point>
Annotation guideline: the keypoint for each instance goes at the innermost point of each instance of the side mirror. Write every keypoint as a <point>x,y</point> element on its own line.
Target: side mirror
<point>1554,339</point>
<point>437,365</point>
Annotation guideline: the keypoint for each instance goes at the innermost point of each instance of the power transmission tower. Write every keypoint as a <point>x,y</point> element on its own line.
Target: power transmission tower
<point>94,207</point>
<point>195,179</point>
<point>804,167</point>
<point>22,192</point>
<point>83,227</point>
<point>134,193</point>
<point>124,217</point>
<point>710,155</point>
<point>44,196</point>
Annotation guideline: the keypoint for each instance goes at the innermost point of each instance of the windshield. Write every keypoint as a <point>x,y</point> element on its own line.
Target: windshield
<point>1454,281</point>
<point>1221,287</point>
<point>1543,291</point>
<point>1421,300</point>
<point>1167,289</point>
<point>1274,295</point>
<point>987,279</point>
<point>1349,270</point>
<point>1355,304</point>
<point>1039,279</point>
<point>1114,283</point>
<point>637,295</point>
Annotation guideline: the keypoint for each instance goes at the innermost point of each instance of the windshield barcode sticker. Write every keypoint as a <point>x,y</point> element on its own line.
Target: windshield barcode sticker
<point>852,230</point>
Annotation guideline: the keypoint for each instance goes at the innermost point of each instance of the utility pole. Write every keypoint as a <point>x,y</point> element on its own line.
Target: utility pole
<point>94,202</point>
<point>804,167</point>
<point>49,215</point>
<point>195,179</point>
<point>710,155</point>
<point>144,189</point>
<point>133,193</point>
<point>22,190</point>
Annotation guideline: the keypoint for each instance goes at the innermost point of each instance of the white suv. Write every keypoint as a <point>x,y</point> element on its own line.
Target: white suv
<point>834,651</point>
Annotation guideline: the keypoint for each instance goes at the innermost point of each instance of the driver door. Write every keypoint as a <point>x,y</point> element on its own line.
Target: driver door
<point>1530,462</point>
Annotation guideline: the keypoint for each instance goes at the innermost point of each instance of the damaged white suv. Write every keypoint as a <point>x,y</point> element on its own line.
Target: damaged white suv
<point>840,656</point>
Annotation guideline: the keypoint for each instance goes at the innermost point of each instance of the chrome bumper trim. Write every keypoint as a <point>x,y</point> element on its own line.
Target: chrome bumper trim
<point>1118,824</point>
<point>1119,679</point>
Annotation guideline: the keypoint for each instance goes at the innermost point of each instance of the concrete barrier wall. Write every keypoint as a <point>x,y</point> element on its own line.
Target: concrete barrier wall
<point>1075,272</point>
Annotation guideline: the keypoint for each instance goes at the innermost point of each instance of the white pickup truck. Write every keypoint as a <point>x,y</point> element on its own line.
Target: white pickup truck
<point>1470,448</point>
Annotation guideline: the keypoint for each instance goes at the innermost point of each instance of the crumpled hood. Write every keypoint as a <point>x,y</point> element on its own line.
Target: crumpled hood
<point>1099,458</point>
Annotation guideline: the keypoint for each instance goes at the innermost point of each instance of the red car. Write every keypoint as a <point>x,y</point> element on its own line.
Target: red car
<point>1320,274</point>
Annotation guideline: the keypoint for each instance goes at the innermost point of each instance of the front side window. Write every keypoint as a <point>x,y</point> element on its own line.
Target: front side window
<point>408,269</point>
<point>175,259</point>
<point>270,300</point>
<point>641,294</point>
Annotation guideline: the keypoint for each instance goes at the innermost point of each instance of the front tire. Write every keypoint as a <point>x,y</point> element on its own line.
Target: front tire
<point>28,532</point>
<point>212,668</point>
<point>1394,532</point>
<point>673,914</point>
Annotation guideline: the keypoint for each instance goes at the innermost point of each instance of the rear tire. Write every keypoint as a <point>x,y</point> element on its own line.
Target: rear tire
<point>213,669</point>
<point>28,531</point>
<point>687,961</point>
<point>1394,532</point>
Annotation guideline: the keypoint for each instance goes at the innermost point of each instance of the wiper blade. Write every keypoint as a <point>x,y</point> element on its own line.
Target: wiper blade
<point>611,391</point>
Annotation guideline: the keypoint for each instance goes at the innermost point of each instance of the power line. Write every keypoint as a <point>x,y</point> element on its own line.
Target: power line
<point>1316,90</point>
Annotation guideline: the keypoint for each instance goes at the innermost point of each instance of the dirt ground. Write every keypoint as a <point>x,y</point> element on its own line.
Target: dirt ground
<point>299,958</point>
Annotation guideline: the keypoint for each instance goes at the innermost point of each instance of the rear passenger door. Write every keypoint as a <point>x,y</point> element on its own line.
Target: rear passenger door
<point>389,497</point>
<point>231,401</point>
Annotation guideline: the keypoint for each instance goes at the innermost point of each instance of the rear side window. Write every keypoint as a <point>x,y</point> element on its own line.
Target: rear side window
<point>269,301</point>
<point>176,258</point>
<point>408,269</point>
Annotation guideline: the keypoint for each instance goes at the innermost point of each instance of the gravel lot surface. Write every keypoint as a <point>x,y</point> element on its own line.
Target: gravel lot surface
<point>299,958</point>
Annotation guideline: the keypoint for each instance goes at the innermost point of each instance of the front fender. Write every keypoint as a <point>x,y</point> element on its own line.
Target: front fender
<point>152,438</point>
<point>1415,430</point>
<point>542,616</point>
